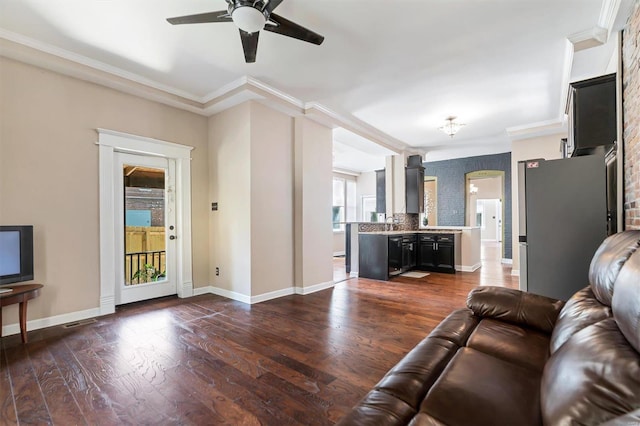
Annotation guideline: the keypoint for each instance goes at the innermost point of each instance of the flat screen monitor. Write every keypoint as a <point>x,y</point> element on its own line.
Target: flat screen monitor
<point>16,254</point>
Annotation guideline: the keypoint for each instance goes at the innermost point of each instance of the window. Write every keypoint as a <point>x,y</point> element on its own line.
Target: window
<point>369,213</point>
<point>344,202</point>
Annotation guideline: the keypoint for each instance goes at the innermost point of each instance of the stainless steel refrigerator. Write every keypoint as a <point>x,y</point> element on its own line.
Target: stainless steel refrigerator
<point>562,219</point>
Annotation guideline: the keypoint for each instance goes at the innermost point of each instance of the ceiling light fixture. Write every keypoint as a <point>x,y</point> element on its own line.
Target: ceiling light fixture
<point>248,19</point>
<point>451,127</point>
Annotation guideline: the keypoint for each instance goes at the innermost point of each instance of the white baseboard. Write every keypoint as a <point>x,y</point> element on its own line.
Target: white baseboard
<point>353,274</point>
<point>107,305</point>
<point>515,272</point>
<point>186,290</point>
<point>272,295</point>
<point>507,261</point>
<point>222,292</point>
<point>261,297</point>
<point>314,288</point>
<point>467,268</point>
<point>51,321</point>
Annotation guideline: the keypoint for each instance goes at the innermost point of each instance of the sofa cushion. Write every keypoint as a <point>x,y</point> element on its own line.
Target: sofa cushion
<point>510,342</point>
<point>412,377</point>
<point>515,306</point>
<point>626,300</point>
<point>582,310</point>
<point>607,262</point>
<point>481,389</point>
<point>593,378</point>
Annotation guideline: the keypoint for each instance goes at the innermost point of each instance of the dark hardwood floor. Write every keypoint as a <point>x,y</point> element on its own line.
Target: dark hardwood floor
<point>210,360</point>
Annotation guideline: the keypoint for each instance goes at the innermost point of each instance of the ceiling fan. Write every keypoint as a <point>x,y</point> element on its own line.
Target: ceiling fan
<point>251,16</point>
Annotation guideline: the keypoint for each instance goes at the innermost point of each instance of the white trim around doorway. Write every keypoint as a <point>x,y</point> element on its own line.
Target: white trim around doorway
<point>109,143</point>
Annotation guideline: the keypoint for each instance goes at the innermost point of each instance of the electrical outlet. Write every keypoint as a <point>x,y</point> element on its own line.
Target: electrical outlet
<point>217,271</point>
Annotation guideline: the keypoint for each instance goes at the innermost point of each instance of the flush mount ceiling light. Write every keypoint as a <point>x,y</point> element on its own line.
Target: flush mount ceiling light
<point>451,127</point>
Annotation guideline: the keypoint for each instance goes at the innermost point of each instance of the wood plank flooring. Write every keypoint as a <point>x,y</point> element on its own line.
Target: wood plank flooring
<point>210,360</point>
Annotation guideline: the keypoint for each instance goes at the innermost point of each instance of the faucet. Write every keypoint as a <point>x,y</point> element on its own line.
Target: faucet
<point>388,225</point>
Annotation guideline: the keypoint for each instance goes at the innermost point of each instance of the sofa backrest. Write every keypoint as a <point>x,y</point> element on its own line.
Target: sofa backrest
<point>593,374</point>
<point>593,303</point>
<point>609,259</point>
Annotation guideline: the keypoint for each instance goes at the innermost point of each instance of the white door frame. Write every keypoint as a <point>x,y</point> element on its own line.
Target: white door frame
<point>110,142</point>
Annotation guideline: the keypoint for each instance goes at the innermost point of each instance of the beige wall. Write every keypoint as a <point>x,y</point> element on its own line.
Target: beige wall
<point>230,187</point>
<point>365,186</point>
<point>49,175</point>
<point>547,147</point>
<point>271,200</point>
<point>489,188</point>
<point>313,199</point>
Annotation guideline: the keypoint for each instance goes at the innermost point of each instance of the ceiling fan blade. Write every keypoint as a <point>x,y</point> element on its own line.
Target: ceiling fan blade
<point>291,29</point>
<point>272,4</point>
<point>250,45</point>
<point>201,18</point>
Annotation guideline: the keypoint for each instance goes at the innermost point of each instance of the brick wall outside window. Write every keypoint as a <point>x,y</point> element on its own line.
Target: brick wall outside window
<point>631,99</point>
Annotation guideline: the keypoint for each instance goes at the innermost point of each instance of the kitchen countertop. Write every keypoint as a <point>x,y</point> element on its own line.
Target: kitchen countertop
<point>418,231</point>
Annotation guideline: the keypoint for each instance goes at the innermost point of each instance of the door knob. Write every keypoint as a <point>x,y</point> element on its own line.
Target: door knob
<point>172,237</point>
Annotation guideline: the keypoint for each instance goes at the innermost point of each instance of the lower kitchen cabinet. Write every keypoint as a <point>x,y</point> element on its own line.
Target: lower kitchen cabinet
<point>437,253</point>
<point>382,256</point>
<point>395,255</point>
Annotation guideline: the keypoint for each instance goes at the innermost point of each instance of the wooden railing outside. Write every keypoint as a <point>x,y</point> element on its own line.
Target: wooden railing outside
<point>144,245</point>
<point>152,263</point>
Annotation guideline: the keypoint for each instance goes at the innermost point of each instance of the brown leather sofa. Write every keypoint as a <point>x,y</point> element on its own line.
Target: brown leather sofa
<point>515,358</point>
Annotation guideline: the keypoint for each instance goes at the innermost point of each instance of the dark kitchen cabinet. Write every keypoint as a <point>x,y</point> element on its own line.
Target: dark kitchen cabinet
<point>373,255</point>
<point>382,256</point>
<point>409,252</point>
<point>414,189</point>
<point>592,115</point>
<point>427,254</point>
<point>395,255</point>
<point>437,253</point>
<point>381,198</point>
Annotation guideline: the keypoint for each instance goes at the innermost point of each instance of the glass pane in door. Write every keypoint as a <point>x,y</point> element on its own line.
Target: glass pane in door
<point>144,229</point>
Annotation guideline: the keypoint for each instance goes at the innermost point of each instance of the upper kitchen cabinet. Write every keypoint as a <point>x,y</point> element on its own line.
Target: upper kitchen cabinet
<point>381,198</point>
<point>414,185</point>
<point>592,115</point>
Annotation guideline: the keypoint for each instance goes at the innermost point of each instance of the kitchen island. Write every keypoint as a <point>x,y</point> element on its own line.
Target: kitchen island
<point>383,254</point>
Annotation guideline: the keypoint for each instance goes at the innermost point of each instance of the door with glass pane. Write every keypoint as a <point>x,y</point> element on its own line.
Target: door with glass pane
<point>145,227</point>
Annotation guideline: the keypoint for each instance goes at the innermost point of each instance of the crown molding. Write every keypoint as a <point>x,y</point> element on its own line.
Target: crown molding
<point>346,172</point>
<point>542,128</point>
<point>37,45</point>
<point>608,14</point>
<point>330,118</point>
<point>592,37</point>
<point>246,88</point>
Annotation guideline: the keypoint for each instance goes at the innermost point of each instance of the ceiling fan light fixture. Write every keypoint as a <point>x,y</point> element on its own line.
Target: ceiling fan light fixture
<point>248,19</point>
<point>451,127</point>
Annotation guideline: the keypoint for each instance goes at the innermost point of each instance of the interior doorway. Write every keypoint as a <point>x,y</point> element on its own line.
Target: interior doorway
<point>484,205</point>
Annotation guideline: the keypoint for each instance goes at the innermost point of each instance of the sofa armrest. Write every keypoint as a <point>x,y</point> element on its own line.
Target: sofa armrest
<point>515,306</point>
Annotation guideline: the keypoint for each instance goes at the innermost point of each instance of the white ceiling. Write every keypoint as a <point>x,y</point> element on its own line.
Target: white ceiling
<point>400,66</point>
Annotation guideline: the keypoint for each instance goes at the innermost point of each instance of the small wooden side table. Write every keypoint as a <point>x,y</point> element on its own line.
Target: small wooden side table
<point>20,294</point>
